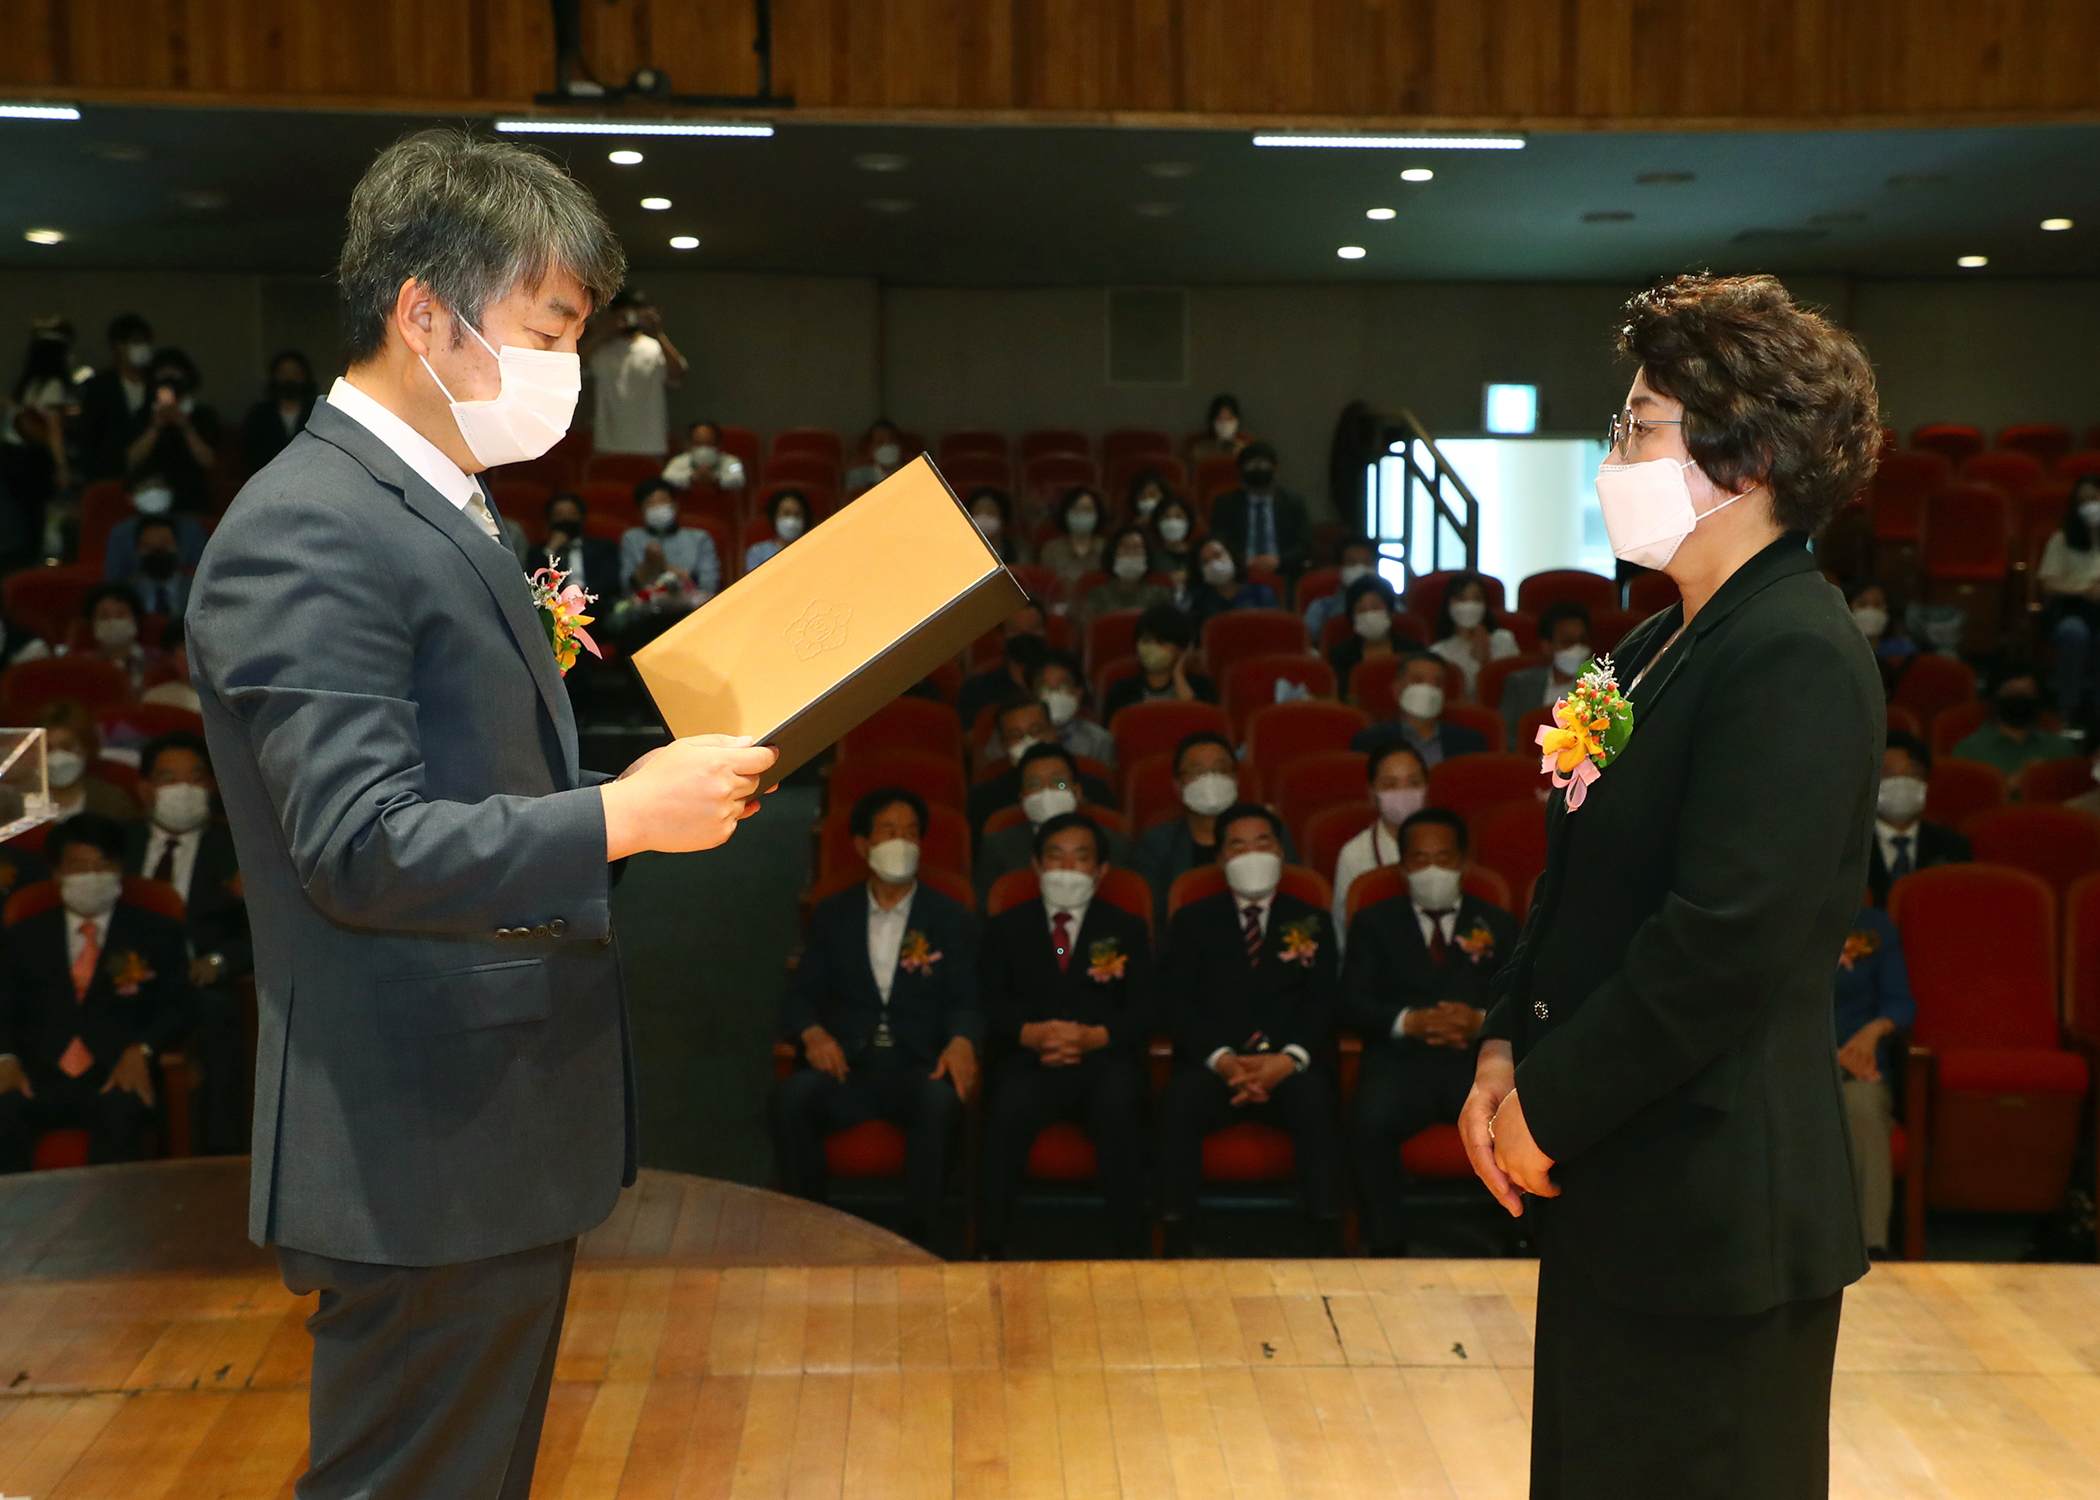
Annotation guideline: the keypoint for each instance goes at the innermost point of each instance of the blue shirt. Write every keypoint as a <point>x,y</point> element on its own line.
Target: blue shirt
<point>1876,986</point>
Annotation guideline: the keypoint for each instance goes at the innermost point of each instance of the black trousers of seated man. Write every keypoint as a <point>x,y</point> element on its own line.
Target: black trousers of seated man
<point>1402,1088</point>
<point>115,1121</point>
<point>1105,1094</point>
<point>1197,1101</point>
<point>809,1105</point>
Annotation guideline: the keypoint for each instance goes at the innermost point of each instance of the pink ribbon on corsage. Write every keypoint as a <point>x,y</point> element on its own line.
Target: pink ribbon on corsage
<point>1577,782</point>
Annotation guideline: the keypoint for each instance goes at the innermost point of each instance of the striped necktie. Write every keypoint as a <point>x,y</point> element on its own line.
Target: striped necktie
<point>1252,914</point>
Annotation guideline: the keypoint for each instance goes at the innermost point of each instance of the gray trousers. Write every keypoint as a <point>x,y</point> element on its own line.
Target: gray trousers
<point>430,1382</point>
<point>1868,1107</point>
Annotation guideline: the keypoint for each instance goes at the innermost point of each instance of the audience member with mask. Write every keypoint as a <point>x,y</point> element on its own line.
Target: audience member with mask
<point>2069,575</point>
<point>156,575</point>
<point>1359,560</point>
<point>591,562</point>
<point>1223,587</point>
<point>1564,637</point>
<point>152,499</point>
<point>704,460</point>
<point>787,512</point>
<point>1421,725</point>
<point>881,455</point>
<point>1056,680</point>
<point>1903,840</point>
<point>173,433</point>
<point>993,511</point>
<point>1174,532</point>
<point>2013,734</point>
<point>1261,521</point>
<point>661,560</point>
<point>1050,786</point>
<point>112,396</point>
<point>72,746</point>
<point>112,621</point>
<point>1147,488</point>
<point>1129,559</point>
<point>1021,724</point>
<point>1400,786</point>
<point>1893,647</point>
<point>1415,989</point>
<point>1023,645</point>
<point>1872,1002</point>
<point>1466,633</point>
<point>1077,549</point>
<point>1221,434</point>
<point>1207,779</point>
<point>282,413</point>
<point>1163,638</point>
<point>1370,604</point>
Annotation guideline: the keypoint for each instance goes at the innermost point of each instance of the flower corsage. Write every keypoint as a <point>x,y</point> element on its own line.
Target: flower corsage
<point>1300,945</point>
<point>1477,943</point>
<point>127,971</point>
<point>1861,943</point>
<point>1106,962</point>
<point>1590,727</point>
<point>561,607</point>
<point>917,955</point>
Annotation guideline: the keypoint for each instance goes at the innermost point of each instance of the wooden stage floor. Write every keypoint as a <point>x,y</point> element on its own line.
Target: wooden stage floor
<point>724,1342</point>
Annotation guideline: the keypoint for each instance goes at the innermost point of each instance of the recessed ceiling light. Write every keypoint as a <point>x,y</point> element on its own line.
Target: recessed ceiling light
<point>656,205</point>
<point>1378,213</point>
<point>881,161</point>
<point>685,242</point>
<point>38,112</point>
<point>1971,262</point>
<point>1662,179</point>
<point>1171,169</point>
<point>1398,142</point>
<point>43,236</point>
<point>1606,216</point>
<point>1351,252</point>
<point>624,158</point>
<point>1417,174</point>
<point>2055,224</point>
<point>626,127</point>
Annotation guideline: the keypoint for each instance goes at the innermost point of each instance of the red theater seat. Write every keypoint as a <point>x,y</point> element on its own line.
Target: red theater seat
<point>48,600</point>
<point>873,1148</point>
<point>1151,795</point>
<point>1425,595</point>
<point>1959,789</point>
<point>906,724</point>
<point>1592,590</point>
<point>1471,784</point>
<point>937,778</point>
<point>820,442</point>
<point>1147,729</point>
<point>1438,1153</point>
<point>27,688</point>
<point>1933,682</point>
<point>1241,633</point>
<point>1313,781</point>
<point>1207,880</point>
<point>1950,440</point>
<point>1248,1152</point>
<point>1327,830</point>
<point>1250,687</point>
<point>1510,838</point>
<point>2044,442</point>
<point>946,845</point>
<point>1062,1153</point>
<point>2056,843</point>
<point>1650,594</point>
<point>1902,484</point>
<point>972,442</point>
<point>1281,732</point>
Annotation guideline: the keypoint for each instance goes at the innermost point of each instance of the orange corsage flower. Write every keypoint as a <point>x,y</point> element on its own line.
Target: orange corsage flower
<point>1859,944</point>
<point>1590,727</point>
<point>1106,962</point>
<point>1477,943</point>
<point>1299,944</point>
<point>561,607</point>
<point>917,955</point>
<point>127,971</point>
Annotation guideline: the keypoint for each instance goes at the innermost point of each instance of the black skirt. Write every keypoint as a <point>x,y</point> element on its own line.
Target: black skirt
<point>1628,1405</point>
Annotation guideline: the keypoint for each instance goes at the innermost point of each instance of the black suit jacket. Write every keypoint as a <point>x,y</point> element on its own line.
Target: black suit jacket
<point>105,422</point>
<point>1228,522</point>
<point>1388,967</point>
<point>140,992</point>
<point>834,984</point>
<point>1457,739</point>
<point>1216,998</point>
<point>1936,845</point>
<point>216,908</point>
<point>601,569</point>
<point>1022,983</point>
<point>1670,999</point>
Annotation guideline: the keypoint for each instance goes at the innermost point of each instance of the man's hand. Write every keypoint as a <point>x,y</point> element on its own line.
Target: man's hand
<point>132,1074</point>
<point>689,794</point>
<point>958,1065</point>
<point>1518,1154</point>
<point>1260,1075</point>
<point>1494,1076</point>
<point>12,1077</point>
<point>1857,1056</point>
<point>824,1052</point>
<point>205,969</point>
<point>1451,1024</point>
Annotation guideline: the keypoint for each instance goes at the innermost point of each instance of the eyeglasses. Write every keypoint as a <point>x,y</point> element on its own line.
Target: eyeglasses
<point>1625,425</point>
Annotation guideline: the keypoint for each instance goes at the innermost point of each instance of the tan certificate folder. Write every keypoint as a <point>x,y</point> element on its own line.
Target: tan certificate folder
<point>826,631</point>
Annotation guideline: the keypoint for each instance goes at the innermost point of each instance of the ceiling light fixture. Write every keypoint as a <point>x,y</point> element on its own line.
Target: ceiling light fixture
<point>38,112</point>
<point>1380,214</point>
<point>43,236</point>
<point>656,205</point>
<point>1398,142</point>
<point>624,158</point>
<point>1351,252</point>
<point>881,161</point>
<point>2056,224</point>
<point>685,242</point>
<point>1971,262</point>
<point>1417,174</point>
<point>627,127</point>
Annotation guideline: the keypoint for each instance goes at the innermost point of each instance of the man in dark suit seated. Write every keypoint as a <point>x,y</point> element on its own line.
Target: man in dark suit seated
<point>1025,644</point>
<point>180,842</point>
<point>89,990</point>
<point>592,562</point>
<point>1249,986</point>
<point>1021,724</point>
<point>1268,526</point>
<point>1415,990</point>
<point>1069,995</point>
<point>1564,635</point>
<point>1049,787</point>
<point>1903,840</point>
<point>1420,690</point>
<point>884,1006</point>
<point>1207,773</point>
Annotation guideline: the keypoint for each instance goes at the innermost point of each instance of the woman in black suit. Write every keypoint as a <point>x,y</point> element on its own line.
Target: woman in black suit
<point>1658,1093</point>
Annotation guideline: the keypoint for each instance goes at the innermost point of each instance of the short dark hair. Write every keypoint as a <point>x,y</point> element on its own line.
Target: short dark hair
<point>155,523</point>
<point>564,497</point>
<point>92,829</point>
<point>644,488</point>
<point>1197,737</point>
<point>1057,656</point>
<point>1218,403</point>
<point>1014,703</point>
<point>1053,826</point>
<point>787,492</point>
<point>471,220</point>
<point>124,591</point>
<point>1240,810</point>
<point>1165,623</point>
<point>1047,750</point>
<point>703,422</point>
<point>1772,392</point>
<point>129,328</point>
<point>1257,451</point>
<point>1115,543</point>
<point>173,739</point>
<point>1442,817</point>
<point>1911,745</point>
<point>1386,752</point>
<point>1072,497</point>
<point>1370,583</point>
<point>1455,585</point>
<point>2077,535</point>
<point>861,821</point>
<point>1563,609</point>
<point>1356,541</point>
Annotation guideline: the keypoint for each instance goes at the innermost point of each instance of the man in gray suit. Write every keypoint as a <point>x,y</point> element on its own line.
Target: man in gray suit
<point>1564,637</point>
<point>444,1090</point>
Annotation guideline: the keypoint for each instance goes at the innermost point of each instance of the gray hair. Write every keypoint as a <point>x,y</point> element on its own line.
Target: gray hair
<point>471,220</point>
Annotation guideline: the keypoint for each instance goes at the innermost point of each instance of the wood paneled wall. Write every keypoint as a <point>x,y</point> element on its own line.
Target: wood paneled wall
<point>1557,63</point>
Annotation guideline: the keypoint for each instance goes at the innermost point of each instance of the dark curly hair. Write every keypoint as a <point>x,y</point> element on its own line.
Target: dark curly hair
<point>1772,392</point>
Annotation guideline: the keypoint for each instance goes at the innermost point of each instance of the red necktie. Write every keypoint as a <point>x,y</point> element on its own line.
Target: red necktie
<point>164,867</point>
<point>1438,948</point>
<point>1061,934</point>
<point>84,965</point>
<point>1253,932</point>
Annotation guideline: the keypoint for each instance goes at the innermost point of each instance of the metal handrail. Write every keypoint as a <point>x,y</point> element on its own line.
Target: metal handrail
<point>1455,506</point>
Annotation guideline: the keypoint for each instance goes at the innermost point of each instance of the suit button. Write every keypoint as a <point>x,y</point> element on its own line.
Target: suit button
<point>542,931</point>
<point>557,927</point>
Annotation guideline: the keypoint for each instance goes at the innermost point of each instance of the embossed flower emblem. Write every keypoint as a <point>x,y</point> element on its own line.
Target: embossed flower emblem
<point>819,628</point>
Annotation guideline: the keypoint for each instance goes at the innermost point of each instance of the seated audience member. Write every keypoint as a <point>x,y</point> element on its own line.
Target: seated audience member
<point>1261,521</point>
<point>1023,631</point>
<point>1221,431</point>
<point>662,558</point>
<point>1873,1002</point>
<point>1049,788</point>
<point>156,575</point>
<point>1420,689</point>
<point>593,562</point>
<point>1903,840</point>
<point>151,501</point>
<point>1207,775</point>
<point>1870,611</point>
<point>281,415</point>
<point>1223,586</point>
<point>884,1006</point>
<point>2069,575</point>
<point>2010,737</point>
<point>172,434</point>
<point>1415,989</point>
<point>1249,987</point>
<point>788,512</point>
<point>114,618</point>
<point>1021,724</point>
<point>1129,560</point>
<point>168,680</point>
<point>179,842</point>
<point>72,745</point>
<point>1466,633</point>
<point>1370,603</point>
<point>1564,635</point>
<point>1399,784</point>
<point>1069,1001</point>
<point>89,991</point>
<point>881,455</point>
<point>704,460</point>
<point>1164,636</point>
<point>1147,489</point>
<point>1174,550</point>
<point>1077,549</point>
<point>1056,680</point>
<point>1359,560</point>
<point>993,512</point>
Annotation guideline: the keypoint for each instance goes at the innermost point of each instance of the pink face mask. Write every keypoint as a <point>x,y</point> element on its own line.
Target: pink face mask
<point>1648,509</point>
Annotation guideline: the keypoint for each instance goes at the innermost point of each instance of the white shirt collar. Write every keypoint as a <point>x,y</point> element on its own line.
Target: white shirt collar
<point>409,445</point>
<point>1078,913</point>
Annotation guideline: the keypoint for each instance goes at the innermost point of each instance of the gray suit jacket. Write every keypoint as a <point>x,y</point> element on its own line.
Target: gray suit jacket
<point>442,1070</point>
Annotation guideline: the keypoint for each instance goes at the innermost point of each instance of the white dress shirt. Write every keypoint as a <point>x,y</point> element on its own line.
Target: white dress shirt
<point>157,841</point>
<point>886,929</point>
<point>1886,834</point>
<point>1263,908</point>
<point>410,446</point>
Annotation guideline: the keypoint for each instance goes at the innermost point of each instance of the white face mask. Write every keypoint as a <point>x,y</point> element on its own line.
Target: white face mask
<point>1434,888</point>
<point>1254,876</point>
<point>180,806</point>
<point>894,860</point>
<point>1466,613</point>
<point>988,523</point>
<point>1900,798</point>
<point>139,355</point>
<point>1218,572</point>
<point>1871,621</point>
<point>64,768</point>
<point>1570,659</point>
<point>2089,512</point>
<point>1226,427</point>
<point>787,528</point>
<point>662,516</point>
<point>1063,703</point>
<point>704,455</point>
<point>1396,804</point>
<point>92,893</point>
<point>1021,747</point>
<point>1373,624</point>
<point>885,455</point>
<point>1648,509</point>
<point>1045,803</point>
<point>1131,569</point>
<point>1173,529</point>
<point>1422,700</point>
<point>1146,505</point>
<point>1082,522</point>
<point>153,500</point>
<point>1210,794</point>
<point>1353,571</point>
<point>1068,888</point>
<point>116,631</point>
<point>531,410</point>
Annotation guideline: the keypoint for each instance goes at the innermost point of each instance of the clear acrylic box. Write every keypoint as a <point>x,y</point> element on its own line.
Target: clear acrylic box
<point>25,792</point>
